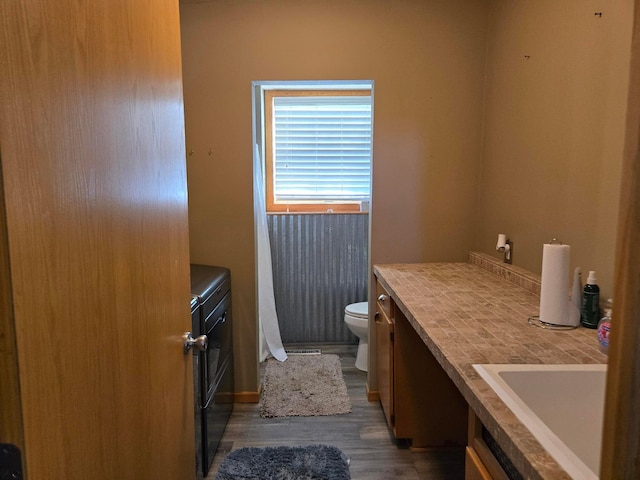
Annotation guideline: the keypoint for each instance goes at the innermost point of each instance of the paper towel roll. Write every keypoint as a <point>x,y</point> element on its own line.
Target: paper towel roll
<point>555,306</point>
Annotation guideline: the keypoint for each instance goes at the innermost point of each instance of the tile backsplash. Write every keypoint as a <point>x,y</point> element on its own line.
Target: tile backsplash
<point>516,275</point>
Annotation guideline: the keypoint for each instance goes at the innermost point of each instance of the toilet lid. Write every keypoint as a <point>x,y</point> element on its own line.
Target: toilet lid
<point>360,309</point>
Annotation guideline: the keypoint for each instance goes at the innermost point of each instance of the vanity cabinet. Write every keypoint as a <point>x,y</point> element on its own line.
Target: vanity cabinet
<point>441,329</point>
<point>419,400</point>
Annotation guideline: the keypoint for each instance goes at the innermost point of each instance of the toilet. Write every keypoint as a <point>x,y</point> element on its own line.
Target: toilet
<point>356,316</point>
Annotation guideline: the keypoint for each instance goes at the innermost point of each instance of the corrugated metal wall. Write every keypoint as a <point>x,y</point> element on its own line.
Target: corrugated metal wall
<point>319,267</point>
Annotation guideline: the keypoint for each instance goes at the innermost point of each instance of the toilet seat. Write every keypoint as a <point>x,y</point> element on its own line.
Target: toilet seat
<point>358,310</point>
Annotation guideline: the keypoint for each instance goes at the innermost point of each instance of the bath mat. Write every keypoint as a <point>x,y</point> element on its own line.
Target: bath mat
<point>304,386</point>
<point>285,463</point>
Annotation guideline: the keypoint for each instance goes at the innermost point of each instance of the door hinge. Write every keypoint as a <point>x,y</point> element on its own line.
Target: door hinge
<point>10,462</point>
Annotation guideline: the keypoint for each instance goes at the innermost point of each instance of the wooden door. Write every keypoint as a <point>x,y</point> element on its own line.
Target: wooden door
<point>94,247</point>
<point>621,432</point>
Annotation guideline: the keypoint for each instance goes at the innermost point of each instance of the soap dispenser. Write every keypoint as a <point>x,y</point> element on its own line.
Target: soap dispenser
<point>590,313</point>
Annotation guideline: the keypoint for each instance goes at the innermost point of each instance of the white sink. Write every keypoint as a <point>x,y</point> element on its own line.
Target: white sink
<point>562,406</point>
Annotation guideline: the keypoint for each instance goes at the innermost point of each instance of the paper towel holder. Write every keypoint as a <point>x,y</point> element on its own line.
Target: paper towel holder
<point>505,246</point>
<point>535,320</point>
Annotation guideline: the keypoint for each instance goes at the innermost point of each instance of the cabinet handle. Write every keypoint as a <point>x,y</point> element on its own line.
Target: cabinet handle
<point>377,317</point>
<point>382,298</point>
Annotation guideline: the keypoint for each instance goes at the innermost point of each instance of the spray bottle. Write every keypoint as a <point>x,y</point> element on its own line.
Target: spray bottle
<point>590,314</point>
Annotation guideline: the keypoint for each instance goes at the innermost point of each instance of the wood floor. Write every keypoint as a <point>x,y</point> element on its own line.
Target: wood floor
<point>362,435</point>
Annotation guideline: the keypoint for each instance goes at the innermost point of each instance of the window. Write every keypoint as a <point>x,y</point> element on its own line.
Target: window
<point>318,150</point>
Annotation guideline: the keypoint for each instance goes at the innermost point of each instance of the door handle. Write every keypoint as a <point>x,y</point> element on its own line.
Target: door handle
<point>382,298</point>
<point>200,342</point>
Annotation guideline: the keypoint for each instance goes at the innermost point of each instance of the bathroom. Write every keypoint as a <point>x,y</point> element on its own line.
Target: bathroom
<point>489,117</point>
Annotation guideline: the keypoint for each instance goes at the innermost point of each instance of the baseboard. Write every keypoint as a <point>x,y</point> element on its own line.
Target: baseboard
<point>372,395</point>
<point>247,397</point>
<point>448,448</point>
<point>224,397</point>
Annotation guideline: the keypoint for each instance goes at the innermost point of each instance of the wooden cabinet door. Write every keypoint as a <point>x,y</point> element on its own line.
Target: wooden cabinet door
<point>384,364</point>
<point>474,469</point>
<point>95,241</point>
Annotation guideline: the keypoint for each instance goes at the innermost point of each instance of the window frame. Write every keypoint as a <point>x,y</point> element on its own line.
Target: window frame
<point>301,207</point>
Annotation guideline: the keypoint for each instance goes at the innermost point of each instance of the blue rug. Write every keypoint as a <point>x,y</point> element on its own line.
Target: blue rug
<point>315,462</point>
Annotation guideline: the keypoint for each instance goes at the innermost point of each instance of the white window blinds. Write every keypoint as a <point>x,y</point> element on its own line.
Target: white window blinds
<point>322,148</point>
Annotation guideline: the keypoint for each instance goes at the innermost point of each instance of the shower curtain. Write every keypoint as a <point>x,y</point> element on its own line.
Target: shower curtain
<point>270,341</point>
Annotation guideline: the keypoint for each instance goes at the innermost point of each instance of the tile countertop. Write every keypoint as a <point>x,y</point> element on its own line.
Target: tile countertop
<point>477,312</point>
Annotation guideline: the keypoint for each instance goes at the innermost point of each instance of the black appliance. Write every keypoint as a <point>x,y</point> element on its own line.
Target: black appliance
<point>215,391</point>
